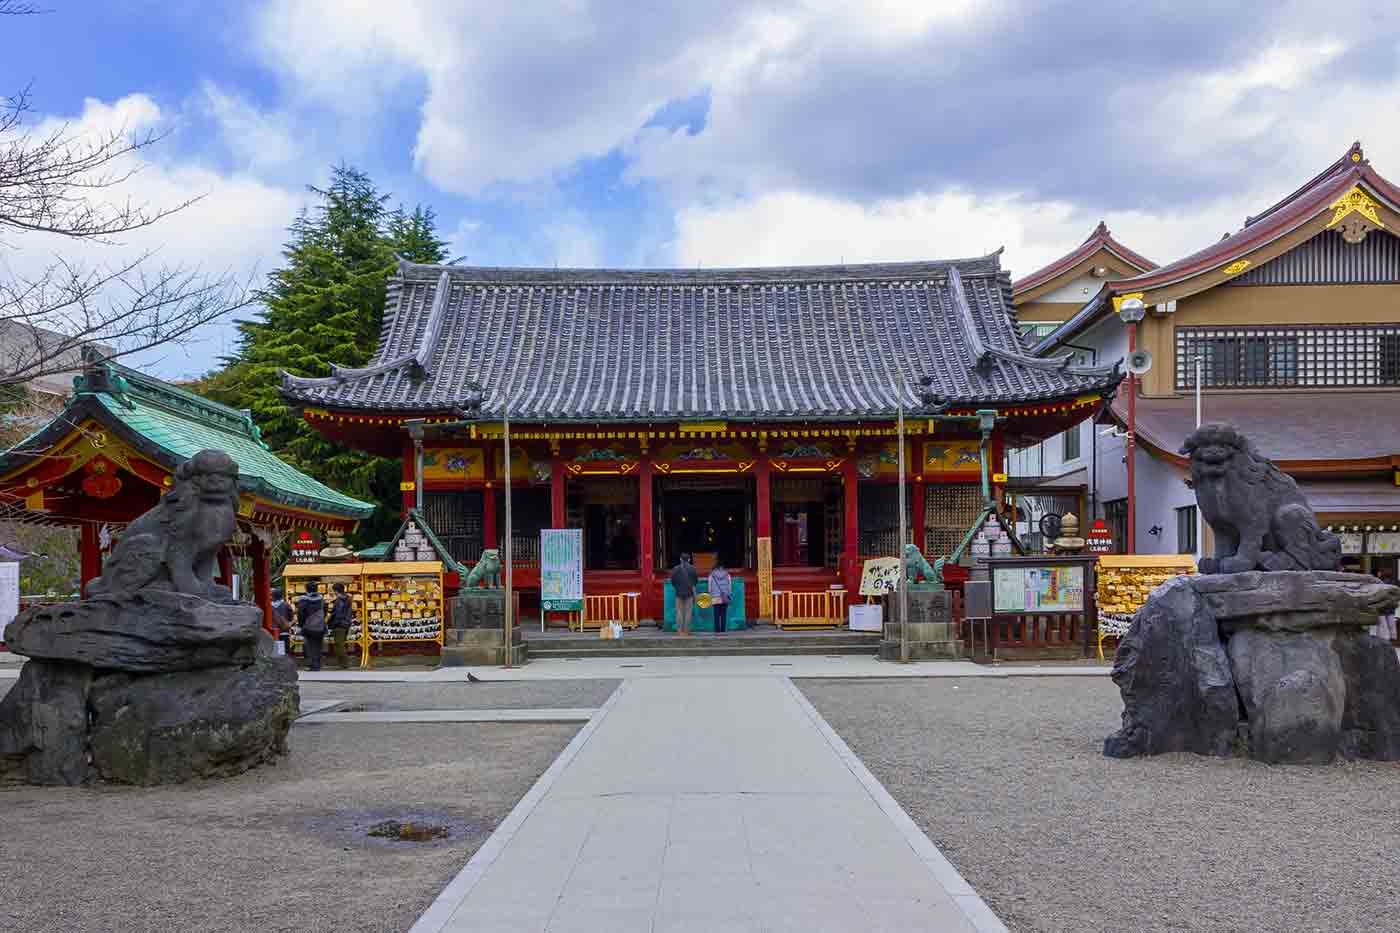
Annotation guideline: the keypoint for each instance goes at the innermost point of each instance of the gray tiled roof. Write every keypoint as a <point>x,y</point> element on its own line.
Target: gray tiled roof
<point>818,342</point>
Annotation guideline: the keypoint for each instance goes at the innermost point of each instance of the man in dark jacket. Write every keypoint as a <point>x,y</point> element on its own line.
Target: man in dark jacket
<point>311,614</point>
<point>339,623</point>
<point>683,580</point>
<point>282,619</point>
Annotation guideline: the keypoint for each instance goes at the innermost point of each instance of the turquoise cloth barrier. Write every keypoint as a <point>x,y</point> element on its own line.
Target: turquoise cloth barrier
<point>702,620</point>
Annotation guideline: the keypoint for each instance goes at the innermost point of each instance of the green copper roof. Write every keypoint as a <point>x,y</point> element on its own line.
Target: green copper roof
<point>171,425</point>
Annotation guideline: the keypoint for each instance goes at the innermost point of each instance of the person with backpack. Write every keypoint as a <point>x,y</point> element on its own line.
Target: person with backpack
<point>339,623</point>
<point>311,613</point>
<point>282,619</point>
<point>683,580</point>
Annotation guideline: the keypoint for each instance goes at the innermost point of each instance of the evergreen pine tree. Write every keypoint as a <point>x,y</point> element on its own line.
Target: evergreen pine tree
<point>323,308</point>
<point>414,236</point>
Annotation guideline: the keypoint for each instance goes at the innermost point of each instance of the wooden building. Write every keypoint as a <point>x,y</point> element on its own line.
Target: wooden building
<point>109,456</point>
<point>747,415</point>
<point>1294,321</point>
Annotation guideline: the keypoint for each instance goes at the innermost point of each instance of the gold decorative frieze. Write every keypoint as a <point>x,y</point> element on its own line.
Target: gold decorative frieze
<point>1354,228</point>
<point>1236,267</point>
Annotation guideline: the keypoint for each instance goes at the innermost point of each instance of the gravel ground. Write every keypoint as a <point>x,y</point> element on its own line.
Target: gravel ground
<point>1009,780</point>
<point>504,694</point>
<point>282,848</point>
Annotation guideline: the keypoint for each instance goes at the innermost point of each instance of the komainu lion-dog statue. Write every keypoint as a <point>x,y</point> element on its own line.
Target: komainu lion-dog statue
<point>1260,519</point>
<point>175,546</point>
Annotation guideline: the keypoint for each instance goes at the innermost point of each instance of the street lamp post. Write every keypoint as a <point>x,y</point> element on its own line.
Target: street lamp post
<point>1131,310</point>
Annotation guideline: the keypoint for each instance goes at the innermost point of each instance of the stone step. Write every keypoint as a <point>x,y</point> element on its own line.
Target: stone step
<point>776,644</point>
<point>624,649</point>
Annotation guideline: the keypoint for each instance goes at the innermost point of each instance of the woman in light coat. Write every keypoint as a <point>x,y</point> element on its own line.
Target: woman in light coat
<point>721,588</point>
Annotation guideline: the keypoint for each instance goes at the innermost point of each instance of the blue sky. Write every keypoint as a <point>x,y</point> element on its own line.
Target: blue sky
<point>735,132</point>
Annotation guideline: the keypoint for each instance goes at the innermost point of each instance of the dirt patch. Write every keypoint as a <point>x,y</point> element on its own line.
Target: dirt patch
<point>282,848</point>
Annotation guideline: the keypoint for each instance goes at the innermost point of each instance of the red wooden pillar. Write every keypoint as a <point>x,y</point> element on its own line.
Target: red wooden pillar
<point>763,504</point>
<point>489,535</point>
<point>90,556</point>
<point>226,568</point>
<point>410,478</point>
<point>556,492</point>
<point>262,582</point>
<point>916,489</point>
<point>648,537</point>
<point>851,557</point>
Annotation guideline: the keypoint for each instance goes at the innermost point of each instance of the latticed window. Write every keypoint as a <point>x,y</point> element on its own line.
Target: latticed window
<point>949,511</point>
<point>1115,516</point>
<point>1301,356</point>
<point>455,517</point>
<point>1186,530</point>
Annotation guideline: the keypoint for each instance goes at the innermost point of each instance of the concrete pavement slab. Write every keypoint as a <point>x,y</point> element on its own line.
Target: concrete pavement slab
<point>702,803</point>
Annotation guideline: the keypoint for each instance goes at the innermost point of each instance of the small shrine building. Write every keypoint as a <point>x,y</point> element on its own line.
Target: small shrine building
<point>743,415</point>
<point>110,454</point>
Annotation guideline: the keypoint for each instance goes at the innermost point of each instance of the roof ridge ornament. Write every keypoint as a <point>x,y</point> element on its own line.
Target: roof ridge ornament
<point>1356,201</point>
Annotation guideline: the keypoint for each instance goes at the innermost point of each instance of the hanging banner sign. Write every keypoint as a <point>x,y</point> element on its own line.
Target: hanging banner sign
<point>1352,543</point>
<point>1099,538</point>
<point>561,569</point>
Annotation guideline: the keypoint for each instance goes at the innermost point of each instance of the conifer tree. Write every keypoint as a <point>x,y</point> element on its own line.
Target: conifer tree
<point>323,308</point>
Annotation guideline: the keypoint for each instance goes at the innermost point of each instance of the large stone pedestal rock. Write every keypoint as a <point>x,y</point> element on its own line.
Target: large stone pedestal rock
<point>150,687</point>
<point>145,632</point>
<point>932,633</point>
<point>1280,660</point>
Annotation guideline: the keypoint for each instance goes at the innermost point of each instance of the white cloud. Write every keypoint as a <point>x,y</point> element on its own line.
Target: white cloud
<point>236,227</point>
<point>257,139</point>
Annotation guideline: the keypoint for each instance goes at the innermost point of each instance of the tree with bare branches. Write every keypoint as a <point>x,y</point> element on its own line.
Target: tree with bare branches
<point>58,184</point>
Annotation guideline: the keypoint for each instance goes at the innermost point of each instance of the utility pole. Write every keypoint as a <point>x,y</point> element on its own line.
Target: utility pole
<point>510,592</point>
<point>903,574</point>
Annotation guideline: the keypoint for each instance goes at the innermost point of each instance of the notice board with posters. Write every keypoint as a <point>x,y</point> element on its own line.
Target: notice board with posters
<point>561,569</point>
<point>1043,588</point>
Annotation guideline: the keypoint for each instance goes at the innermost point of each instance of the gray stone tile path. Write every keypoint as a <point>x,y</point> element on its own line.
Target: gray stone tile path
<point>707,803</point>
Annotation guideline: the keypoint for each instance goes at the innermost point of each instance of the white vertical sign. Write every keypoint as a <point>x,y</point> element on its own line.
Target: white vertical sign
<point>9,593</point>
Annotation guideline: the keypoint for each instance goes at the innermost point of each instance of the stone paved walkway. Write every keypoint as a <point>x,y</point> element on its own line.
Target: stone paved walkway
<point>707,803</point>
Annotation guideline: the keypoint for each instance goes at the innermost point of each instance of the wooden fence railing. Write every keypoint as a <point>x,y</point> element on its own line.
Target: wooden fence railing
<point>822,609</point>
<point>599,610</point>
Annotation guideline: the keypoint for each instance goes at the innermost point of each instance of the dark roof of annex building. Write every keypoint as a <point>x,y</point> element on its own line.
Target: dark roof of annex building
<point>814,343</point>
<point>1099,239</point>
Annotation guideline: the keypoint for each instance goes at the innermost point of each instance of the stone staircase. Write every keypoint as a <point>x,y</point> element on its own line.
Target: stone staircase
<point>646,642</point>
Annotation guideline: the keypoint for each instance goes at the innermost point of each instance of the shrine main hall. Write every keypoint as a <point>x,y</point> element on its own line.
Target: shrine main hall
<point>743,415</point>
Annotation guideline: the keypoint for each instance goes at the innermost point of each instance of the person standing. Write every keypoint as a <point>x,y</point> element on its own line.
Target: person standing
<point>282,619</point>
<point>721,588</point>
<point>339,623</point>
<point>311,613</point>
<point>683,580</point>
<point>1384,629</point>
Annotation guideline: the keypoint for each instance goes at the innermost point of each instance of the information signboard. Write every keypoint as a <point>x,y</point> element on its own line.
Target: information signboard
<point>561,569</point>
<point>867,617</point>
<point>1019,589</point>
<point>9,593</point>
<point>880,576</point>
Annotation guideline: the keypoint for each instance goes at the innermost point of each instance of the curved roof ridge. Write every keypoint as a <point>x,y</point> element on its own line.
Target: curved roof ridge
<point>1279,221</point>
<point>988,264</point>
<point>1100,238</point>
<point>1352,156</point>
